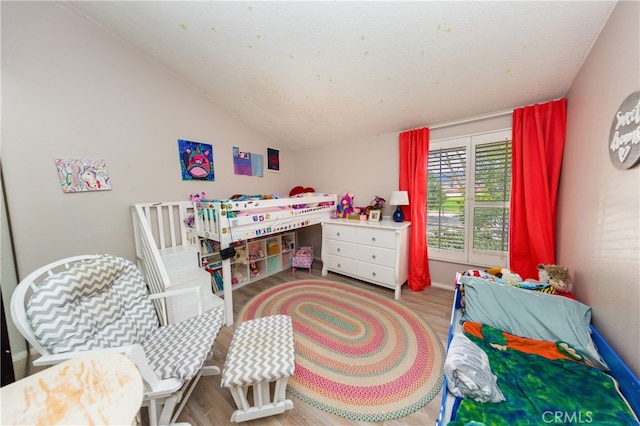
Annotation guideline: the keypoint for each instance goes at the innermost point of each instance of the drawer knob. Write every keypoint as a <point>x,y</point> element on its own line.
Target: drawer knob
<point>373,273</point>
<point>337,234</point>
<point>338,249</point>
<point>373,256</point>
<point>339,265</point>
<point>373,238</point>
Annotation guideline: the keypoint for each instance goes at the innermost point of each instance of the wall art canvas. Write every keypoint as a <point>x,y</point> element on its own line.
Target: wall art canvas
<point>624,137</point>
<point>196,160</point>
<point>247,163</point>
<point>241,162</point>
<point>273,160</point>
<point>79,175</point>
<point>257,164</point>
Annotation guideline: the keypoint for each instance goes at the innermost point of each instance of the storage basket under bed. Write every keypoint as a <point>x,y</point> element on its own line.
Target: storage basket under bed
<point>303,258</point>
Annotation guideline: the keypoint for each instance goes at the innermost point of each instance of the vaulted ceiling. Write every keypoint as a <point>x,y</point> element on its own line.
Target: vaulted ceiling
<point>308,73</point>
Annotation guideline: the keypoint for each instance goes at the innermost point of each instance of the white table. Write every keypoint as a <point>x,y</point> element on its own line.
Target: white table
<point>94,388</point>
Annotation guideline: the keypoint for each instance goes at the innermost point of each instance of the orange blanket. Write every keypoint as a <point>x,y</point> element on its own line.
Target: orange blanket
<point>549,350</point>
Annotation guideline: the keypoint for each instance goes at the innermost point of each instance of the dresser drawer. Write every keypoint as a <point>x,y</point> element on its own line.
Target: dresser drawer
<point>371,272</point>
<point>376,255</point>
<point>340,233</point>
<point>340,264</point>
<point>374,252</point>
<point>376,237</point>
<point>340,248</point>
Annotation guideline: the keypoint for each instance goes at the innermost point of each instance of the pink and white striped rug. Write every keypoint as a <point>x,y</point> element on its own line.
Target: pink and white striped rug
<point>358,355</point>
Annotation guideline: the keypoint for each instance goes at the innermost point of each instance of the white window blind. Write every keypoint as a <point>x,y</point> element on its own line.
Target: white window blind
<point>446,183</point>
<point>468,190</point>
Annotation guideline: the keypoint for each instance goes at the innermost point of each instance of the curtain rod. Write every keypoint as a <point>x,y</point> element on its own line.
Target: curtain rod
<point>470,119</point>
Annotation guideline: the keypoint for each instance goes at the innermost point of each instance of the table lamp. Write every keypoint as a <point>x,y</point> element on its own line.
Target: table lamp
<point>399,198</point>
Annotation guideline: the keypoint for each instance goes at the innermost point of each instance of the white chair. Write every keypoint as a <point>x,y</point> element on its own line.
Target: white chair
<point>91,302</point>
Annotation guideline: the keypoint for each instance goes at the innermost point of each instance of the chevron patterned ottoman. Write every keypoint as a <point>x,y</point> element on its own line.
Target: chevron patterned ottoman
<point>261,352</point>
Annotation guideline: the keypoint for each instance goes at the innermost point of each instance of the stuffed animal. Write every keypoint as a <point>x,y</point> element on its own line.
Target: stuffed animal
<point>197,198</point>
<point>345,206</point>
<point>190,220</point>
<point>242,257</point>
<point>510,276</point>
<point>253,266</point>
<point>236,274</point>
<point>496,271</point>
<point>505,274</point>
<point>300,190</point>
<point>476,273</point>
<point>557,276</point>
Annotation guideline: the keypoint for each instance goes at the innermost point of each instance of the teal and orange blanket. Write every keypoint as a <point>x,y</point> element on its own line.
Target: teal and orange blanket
<point>544,383</point>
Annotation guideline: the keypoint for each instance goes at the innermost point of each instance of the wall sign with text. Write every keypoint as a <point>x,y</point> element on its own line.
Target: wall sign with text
<point>624,137</point>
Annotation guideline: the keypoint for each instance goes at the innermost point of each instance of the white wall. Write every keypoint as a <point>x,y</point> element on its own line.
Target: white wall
<point>599,208</point>
<point>370,167</point>
<point>365,167</point>
<point>70,89</point>
<point>8,277</point>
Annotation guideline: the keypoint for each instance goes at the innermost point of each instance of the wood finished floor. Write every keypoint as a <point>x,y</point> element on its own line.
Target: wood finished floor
<point>211,405</point>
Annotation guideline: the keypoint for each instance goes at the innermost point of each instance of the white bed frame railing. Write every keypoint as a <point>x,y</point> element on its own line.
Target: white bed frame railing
<point>162,226</point>
<point>158,226</point>
<point>213,222</point>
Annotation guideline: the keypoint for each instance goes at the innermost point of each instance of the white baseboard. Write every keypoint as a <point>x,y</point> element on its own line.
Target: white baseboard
<point>441,285</point>
<point>19,356</point>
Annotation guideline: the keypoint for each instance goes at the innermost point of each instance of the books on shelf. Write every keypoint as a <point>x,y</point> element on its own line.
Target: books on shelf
<point>212,264</point>
<point>209,246</point>
<point>264,256</point>
<point>216,279</point>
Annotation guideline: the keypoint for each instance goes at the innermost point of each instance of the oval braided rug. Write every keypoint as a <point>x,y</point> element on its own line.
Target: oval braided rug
<point>358,355</point>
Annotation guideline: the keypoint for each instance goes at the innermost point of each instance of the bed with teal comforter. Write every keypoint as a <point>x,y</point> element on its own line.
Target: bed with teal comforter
<point>543,383</point>
<point>550,365</point>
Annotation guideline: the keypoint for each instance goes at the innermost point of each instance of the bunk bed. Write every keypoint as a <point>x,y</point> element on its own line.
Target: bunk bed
<point>250,216</point>
<point>540,361</point>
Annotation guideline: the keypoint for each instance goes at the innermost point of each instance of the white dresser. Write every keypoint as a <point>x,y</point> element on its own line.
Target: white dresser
<point>376,252</point>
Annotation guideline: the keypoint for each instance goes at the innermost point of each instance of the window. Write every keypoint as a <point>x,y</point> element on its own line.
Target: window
<point>468,190</point>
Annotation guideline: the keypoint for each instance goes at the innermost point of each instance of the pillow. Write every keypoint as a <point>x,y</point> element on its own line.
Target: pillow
<point>96,303</point>
<point>531,314</point>
<point>468,371</point>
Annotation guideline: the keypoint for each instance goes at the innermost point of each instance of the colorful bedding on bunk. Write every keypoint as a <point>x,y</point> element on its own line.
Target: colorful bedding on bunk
<point>543,383</point>
<point>239,201</point>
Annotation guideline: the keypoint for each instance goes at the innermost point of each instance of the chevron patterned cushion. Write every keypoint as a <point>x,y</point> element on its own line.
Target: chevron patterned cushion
<point>179,350</point>
<point>261,350</point>
<point>96,303</point>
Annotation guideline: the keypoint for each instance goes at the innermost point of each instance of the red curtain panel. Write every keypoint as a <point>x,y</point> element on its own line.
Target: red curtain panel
<point>537,145</point>
<point>414,154</point>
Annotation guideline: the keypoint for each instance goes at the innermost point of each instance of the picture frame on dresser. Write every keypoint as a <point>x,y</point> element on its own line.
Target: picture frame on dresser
<point>374,215</point>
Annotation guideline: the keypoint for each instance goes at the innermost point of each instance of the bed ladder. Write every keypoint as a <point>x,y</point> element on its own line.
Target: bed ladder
<point>167,255</point>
